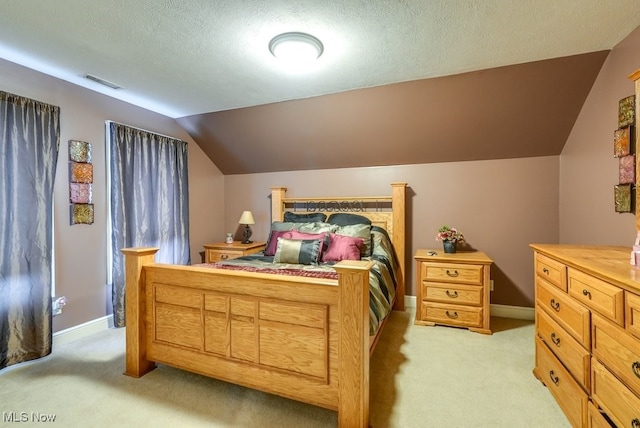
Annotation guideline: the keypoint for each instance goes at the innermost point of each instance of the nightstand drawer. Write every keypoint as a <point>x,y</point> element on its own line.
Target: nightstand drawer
<point>465,316</point>
<point>619,351</point>
<point>220,255</point>
<point>451,272</point>
<point>604,298</point>
<point>574,357</point>
<point>457,294</point>
<point>620,404</point>
<point>552,271</point>
<point>572,316</point>
<point>571,398</point>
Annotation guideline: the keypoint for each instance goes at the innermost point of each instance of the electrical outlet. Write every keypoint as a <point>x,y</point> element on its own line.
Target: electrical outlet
<point>491,285</point>
<point>56,305</point>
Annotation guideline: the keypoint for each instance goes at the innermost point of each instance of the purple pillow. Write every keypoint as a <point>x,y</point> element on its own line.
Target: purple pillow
<point>273,241</point>
<point>343,247</point>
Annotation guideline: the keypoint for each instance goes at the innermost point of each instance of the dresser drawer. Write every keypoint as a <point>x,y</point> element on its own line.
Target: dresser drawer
<point>574,357</point>
<point>632,319</point>
<point>596,418</point>
<point>620,404</point>
<point>619,351</point>
<point>571,398</point>
<point>551,270</point>
<point>464,316</point>
<point>457,294</point>
<point>572,316</point>
<point>451,272</point>
<point>221,255</point>
<point>604,298</point>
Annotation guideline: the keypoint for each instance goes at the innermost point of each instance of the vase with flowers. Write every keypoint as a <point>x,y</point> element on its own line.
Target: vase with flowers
<point>450,237</point>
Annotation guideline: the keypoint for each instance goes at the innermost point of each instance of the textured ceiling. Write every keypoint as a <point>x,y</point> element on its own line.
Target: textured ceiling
<point>189,57</point>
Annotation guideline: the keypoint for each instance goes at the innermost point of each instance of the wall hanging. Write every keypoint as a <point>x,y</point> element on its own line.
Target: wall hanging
<point>80,181</point>
<point>624,150</point>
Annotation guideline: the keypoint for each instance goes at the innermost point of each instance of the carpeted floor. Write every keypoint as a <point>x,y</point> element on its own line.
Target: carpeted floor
<point>420,377</point>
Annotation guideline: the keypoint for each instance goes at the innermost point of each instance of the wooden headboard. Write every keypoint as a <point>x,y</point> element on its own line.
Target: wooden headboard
<point>388,212</point>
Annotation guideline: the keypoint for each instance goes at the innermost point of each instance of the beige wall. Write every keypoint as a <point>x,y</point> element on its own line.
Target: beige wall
<point>80,251</point>
<point>501,206</point>
<point>588,170</point>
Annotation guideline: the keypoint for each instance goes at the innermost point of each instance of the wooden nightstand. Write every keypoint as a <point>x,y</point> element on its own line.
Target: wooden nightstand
<point>453,289</point>
<point>219,251</point>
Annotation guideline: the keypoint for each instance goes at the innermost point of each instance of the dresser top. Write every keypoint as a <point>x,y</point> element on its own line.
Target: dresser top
<point>606,262</point>
<point>458,257</point>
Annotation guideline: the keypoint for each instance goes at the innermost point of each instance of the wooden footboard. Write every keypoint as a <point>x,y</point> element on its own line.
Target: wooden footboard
<point>301,338</point>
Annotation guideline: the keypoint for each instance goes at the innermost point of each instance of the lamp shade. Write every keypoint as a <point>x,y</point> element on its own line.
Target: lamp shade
<point>246,218</point>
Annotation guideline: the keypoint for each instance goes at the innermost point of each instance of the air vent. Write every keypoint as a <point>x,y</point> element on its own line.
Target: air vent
<point>102,81</point>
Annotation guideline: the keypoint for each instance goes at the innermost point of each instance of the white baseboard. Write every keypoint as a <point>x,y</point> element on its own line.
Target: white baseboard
<point>516,312</point>
<point>504,311</point>
<point>80,331</point>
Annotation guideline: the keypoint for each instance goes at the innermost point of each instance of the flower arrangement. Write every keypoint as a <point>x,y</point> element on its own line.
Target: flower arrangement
<point>446,233</point>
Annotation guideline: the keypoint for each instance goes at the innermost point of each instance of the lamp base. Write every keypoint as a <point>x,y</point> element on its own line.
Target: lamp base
<point>246,234</point>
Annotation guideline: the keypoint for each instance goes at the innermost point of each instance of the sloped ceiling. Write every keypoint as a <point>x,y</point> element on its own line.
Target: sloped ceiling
<point>399,80</point>
<point>507,112</point>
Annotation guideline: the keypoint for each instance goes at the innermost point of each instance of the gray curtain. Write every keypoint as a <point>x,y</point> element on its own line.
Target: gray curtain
<point>29,141</point>
<point>149,201</point>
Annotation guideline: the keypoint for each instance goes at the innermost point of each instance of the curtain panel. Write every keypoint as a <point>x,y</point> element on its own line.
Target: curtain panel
<point>29,142</point>
<point>149,201</point>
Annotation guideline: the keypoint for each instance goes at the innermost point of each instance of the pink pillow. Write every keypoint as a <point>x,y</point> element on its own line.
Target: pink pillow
<point>343,247</point>
<point>273,241</point>
<point>296,234</point>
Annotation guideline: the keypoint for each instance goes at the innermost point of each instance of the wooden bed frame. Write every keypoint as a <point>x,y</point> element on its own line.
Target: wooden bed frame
<point>302,338</point>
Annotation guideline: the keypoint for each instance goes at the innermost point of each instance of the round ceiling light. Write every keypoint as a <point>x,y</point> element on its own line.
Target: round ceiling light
<point>296,47</point>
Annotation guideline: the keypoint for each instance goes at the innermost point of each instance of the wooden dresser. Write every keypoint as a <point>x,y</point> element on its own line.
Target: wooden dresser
<point>453,289</point>
<point>588,332</point>
<point>222,251</point>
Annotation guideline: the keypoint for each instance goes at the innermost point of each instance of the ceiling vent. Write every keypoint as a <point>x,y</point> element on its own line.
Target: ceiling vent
<point>102,81</point>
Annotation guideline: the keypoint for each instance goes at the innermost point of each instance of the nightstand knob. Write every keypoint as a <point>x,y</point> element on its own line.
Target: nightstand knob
<point>452,295</point>
<point>555,340</point>
<point>454,315</point>
<point>636,368</point>
<point>635,423</point>
<point>545,270</point>
<point>587,293</point>
<point>224,256</point>
<point>555,379</point>
<point>454,274</point>
<point>555,305</point>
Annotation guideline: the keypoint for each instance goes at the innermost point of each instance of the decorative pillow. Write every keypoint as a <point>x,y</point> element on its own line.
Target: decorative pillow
<point>270,249</point>
<point>347,219</point>
<point>298,251</point>
<point>358,231</point>
<point>304,218</point>
<point>313,227</point>
<point>343,248</point>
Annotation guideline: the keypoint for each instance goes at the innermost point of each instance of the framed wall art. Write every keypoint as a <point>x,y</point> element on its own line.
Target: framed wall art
<point>80,181</point>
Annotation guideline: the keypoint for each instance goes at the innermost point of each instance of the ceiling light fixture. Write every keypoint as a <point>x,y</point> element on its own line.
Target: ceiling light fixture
<point>296,47</point>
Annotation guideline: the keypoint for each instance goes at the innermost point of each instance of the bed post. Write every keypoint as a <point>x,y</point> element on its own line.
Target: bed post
<point>277,208</point>
<point>137,364</point>
<point>398,203</point>
<point>353,347</point>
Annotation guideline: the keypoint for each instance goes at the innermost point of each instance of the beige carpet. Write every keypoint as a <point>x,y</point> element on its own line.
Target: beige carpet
<point>421,377</point>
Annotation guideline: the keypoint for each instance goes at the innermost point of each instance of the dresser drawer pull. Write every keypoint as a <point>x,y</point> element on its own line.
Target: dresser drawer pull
<point>587,293</point>
<point>454,315</point>
<point>555,379</point>
<point>452,295</point>
<point>555,340</point>
<point>546,271</point>
<point>635,423</point>
<point>454,274</point>
<point>555,305</point>
<point>636,368</point>
<point>224,256</point>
